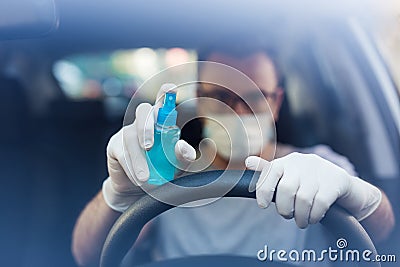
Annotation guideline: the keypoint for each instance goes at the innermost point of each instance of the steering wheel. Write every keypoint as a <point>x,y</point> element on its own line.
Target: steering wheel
<point>128,226</point>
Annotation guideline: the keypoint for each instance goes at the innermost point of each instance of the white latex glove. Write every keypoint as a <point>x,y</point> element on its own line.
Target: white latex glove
<point>126,159</point>
<point>307,185</point>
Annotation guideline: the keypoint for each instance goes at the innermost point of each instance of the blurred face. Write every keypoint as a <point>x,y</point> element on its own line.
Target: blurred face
<point>242,123</point>
<point>259,68</point>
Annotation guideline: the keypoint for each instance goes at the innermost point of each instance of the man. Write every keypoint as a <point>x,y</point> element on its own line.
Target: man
<point>306,184</point>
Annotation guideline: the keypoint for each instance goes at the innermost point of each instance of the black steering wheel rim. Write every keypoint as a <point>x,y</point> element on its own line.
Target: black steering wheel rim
<point>126,229</point>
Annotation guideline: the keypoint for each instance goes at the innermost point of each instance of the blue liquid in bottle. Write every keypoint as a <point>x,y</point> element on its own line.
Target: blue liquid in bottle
<point>161,157</point>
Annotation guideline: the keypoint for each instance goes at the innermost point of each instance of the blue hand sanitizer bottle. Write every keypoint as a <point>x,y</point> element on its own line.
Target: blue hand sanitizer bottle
<point>161,157</point>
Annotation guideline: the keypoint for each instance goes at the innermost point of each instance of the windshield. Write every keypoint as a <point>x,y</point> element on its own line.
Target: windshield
<point>328,84</point>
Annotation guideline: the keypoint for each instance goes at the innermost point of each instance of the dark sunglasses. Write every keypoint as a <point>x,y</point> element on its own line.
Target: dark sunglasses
<point>230,98</point>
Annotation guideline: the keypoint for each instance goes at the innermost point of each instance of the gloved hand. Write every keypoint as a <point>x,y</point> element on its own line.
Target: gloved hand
<point>307,185</point>
<point>126,159</point>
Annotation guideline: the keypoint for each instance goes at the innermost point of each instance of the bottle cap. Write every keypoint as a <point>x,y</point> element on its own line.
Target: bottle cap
<point>167,114</point>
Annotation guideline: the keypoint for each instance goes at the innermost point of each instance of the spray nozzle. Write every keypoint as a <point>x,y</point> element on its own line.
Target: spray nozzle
<point>167,114</point>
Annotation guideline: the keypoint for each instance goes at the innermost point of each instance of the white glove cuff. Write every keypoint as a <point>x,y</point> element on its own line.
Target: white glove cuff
<point>362,198</point>
<point>116,200</point>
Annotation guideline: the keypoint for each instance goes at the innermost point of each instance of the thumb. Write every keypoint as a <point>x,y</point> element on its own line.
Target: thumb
<point>255,163</point>
<point>271,173</point>
<point>185,154</point>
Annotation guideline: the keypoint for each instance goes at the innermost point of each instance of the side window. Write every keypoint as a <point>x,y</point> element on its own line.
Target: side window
<point>115,73</point>
<point>359,132</point>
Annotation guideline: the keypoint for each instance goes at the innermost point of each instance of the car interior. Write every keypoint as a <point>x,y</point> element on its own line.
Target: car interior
<point>54,133</point>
